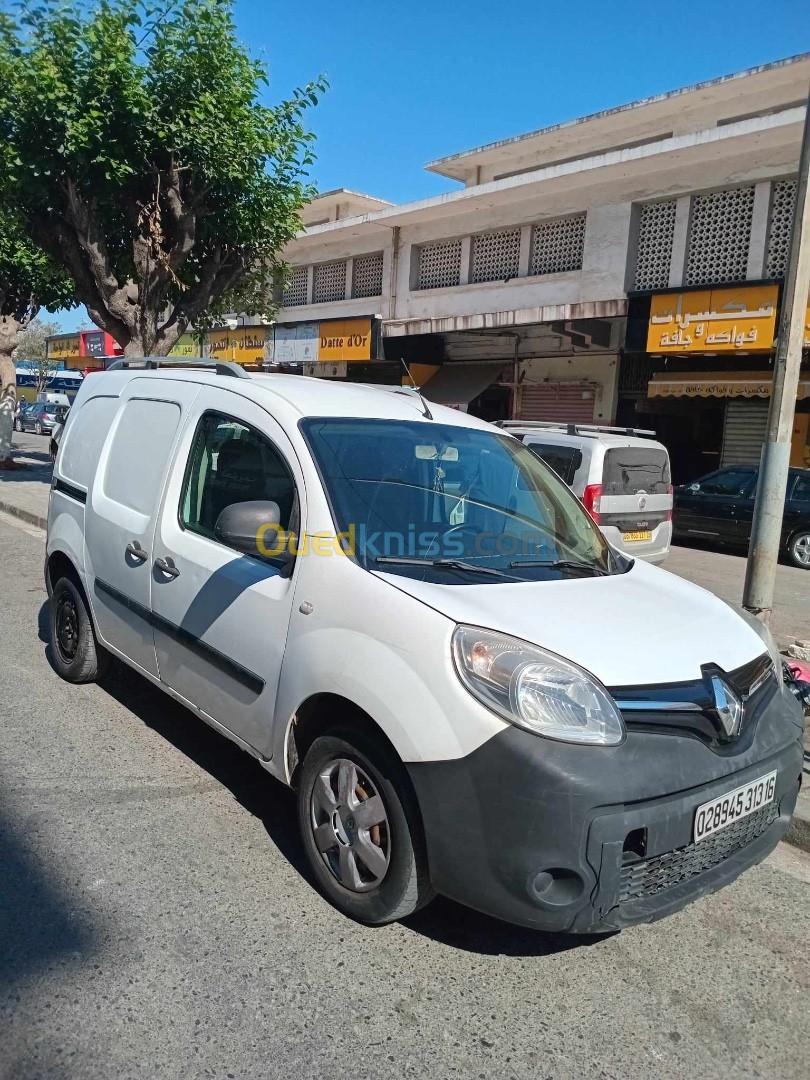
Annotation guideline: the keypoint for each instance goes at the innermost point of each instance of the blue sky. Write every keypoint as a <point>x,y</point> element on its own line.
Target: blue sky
<point>412,82</point>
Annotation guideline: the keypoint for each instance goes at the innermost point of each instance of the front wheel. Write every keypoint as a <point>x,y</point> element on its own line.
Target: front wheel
<point>361,835</point>
<point>798,550</point>
<point>75,654</point>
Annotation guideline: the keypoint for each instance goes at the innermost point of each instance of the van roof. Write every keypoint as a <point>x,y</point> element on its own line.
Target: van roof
<point>301,394</point>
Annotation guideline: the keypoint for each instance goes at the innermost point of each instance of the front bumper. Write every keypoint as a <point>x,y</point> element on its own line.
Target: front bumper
<point>593,839</point>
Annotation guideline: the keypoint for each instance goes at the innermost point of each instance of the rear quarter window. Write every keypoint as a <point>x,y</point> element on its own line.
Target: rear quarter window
<point>564,460</point>
<point>87,434</point>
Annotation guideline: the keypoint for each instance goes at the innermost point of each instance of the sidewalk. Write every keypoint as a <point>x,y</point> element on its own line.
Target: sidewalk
<point>24,493</point>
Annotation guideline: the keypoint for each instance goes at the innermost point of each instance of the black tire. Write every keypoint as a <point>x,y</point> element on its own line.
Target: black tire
<point>798,549</point>
<point>75,654</point>
<point>405,885</point>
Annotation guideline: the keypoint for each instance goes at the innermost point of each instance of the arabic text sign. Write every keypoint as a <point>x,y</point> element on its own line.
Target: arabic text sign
<point>714,320</point>
<point>63,348</point>
<point>345,339</point>
<point>245,344</point>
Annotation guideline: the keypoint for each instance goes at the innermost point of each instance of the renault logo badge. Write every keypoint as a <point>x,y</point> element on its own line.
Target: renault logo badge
<point>728,706</point>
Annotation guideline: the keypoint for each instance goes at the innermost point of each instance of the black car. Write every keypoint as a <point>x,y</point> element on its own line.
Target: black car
<point>720,507</point>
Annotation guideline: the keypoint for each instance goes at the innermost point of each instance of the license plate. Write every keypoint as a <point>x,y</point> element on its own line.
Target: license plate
<point>713,816</point>
<point>641,534</point>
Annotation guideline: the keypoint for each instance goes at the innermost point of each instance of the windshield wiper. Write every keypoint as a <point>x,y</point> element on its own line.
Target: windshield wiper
<point>446,564</point>
<point>561,564</point>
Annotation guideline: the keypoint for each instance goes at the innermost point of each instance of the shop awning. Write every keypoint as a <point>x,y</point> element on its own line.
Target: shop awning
<point>458,384</point>
<point>718,384</point>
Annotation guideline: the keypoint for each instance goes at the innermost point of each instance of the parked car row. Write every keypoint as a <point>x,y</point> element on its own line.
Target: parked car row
<point>720,507</point>
<point>40,417</point>
<point>406,616</point>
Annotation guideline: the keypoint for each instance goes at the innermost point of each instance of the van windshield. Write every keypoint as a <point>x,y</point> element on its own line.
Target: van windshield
<point>452,504</point>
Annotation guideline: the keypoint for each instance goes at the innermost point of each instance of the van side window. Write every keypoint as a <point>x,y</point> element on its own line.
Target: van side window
<point>82,445</point>
<point>139,454</point>
<point>564,460</point>
<point>231,463</point>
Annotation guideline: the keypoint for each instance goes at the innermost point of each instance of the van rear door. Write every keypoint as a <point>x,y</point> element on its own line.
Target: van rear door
<point>121,511</point>
<point>636,487</point>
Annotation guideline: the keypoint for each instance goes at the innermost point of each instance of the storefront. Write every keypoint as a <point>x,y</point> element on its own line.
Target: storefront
<point>706,375</point>
<point>564,370</point>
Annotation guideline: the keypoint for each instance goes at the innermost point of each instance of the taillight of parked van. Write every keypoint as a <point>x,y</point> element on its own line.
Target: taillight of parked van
<point>671,493</point>
<point>590,499</point>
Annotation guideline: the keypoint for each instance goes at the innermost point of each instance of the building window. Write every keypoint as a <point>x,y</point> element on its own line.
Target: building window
<point>719,236</point>
<point>558,245</point>
<point>295,290</point>
<point>495,255</point>
<point>367,275</point>
<point>656,229</point>
<point>439,265</point>
<point>329,282</point>
<point>783,200</point>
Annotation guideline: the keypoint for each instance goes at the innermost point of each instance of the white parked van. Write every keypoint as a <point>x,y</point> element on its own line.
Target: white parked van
<point>401,612</point>
<point>622,476</point>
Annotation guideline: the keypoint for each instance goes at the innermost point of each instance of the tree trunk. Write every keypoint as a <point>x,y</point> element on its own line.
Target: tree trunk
<point>9,328</point>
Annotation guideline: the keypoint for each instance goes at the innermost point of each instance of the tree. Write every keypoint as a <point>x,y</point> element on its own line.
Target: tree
<point>29,280</point>
<point>147,164</point>
<point>32,343</point>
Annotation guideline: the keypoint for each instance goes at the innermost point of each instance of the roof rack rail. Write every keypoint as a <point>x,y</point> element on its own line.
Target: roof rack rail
<point>576,429</point>
<point>151,363</point>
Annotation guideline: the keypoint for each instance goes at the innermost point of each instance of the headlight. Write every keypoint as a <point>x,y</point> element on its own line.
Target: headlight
<point>535,689</point>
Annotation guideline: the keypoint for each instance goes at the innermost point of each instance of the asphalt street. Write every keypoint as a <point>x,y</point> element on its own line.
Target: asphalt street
<point>155,921</point>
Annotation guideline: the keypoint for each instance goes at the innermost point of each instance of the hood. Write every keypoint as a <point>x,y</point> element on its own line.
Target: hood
<point>644,627</point>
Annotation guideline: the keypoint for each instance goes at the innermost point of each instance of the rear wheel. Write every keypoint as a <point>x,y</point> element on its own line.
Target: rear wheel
<point>75,654</point>
<point>361,836</point>
<point>799,550</point>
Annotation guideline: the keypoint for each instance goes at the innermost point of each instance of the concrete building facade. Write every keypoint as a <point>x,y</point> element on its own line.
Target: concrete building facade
<point>524,291</point>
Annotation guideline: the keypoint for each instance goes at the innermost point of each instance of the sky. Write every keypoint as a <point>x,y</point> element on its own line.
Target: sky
<point>415,81</point>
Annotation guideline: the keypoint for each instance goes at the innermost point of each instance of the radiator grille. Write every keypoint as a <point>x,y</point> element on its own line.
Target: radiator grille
<point>651,876</point>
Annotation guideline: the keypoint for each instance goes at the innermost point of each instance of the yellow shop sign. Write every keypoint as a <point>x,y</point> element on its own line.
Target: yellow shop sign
<point>345,339</point>
<point>719,320</point>
<point>245,344</point>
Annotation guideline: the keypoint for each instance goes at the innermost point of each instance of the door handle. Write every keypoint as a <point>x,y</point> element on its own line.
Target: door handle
<point>166,566</point>
<point>135,550</point>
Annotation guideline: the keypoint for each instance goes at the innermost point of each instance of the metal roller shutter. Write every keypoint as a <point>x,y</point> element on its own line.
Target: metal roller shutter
<point>744,431</point>
<point>568,401</point>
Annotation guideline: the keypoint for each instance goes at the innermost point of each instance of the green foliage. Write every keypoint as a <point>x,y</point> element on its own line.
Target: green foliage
<point>141,123</point>
<point>29,279</point>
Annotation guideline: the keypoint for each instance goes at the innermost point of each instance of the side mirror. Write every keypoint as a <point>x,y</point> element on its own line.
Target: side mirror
<point>252,527</point>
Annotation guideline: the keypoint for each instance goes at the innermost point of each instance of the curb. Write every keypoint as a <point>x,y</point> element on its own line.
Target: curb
<point>798,835</point>
<point>24,515</point>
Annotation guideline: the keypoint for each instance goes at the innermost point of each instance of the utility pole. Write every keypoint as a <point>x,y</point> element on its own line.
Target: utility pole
<point>766,531</point>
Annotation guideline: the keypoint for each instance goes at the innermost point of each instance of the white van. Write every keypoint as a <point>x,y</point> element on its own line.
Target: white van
<point>402,613</point>
<point>622,476</point>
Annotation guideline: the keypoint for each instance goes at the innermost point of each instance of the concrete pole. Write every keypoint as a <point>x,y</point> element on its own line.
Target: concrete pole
<point>769,508</point>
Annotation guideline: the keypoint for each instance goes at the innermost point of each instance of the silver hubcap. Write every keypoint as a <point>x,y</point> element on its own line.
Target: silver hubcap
<point>350,825</point>
<point>801,549</point>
